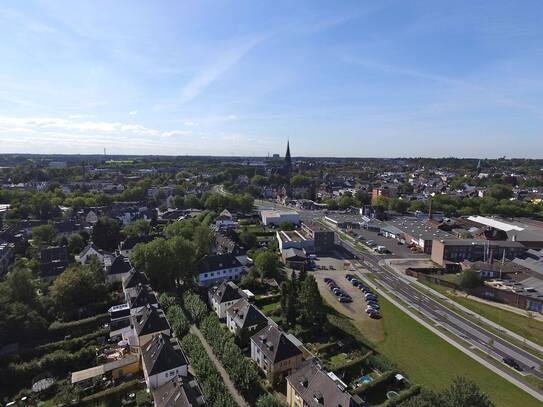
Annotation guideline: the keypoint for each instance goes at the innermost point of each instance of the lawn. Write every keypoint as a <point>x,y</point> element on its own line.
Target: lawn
<point>530,329</point>
<point>430,361</point>
<point>268,308</point>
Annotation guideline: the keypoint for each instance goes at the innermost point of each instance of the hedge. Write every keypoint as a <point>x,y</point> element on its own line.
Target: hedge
<point>241,370</point>
<point>376,384</point>
<point>403,396</point>
<point>215,392</point>
<point>78,327</point>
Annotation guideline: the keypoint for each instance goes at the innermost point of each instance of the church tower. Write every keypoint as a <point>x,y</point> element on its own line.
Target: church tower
<point>287,166</point>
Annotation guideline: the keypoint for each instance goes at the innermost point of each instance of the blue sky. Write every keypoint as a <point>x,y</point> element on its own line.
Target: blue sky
<point>337,78</point>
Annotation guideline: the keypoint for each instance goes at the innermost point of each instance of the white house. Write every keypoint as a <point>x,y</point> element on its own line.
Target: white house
<point>91,217</point>
<point>217,268</point>
<point>162,360</point>
<point>225,220</point>
<point>223,296</point>
<point>105,258</point>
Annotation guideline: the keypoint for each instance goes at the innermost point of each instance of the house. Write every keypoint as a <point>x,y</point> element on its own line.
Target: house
<point>132,282</point>
<point>294,258</point>
<point>91,217</point>
<point>67,228</point>
<point>179,392</point>
<point>244,319</point>
<point>127,245</point>
<point>162,360</point>
<point>312,386</point>
<point>143,297</point>
<point>274,352</point>
<point>53,261</point>
<point>225,220</point>
<point>223,296</point>
<point>103,256</point>
<point>151,322</point>
<point>214,269</point>
<point>118,270</point>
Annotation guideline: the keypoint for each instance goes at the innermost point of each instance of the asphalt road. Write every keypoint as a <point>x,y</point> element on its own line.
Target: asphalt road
<point>477,336</point>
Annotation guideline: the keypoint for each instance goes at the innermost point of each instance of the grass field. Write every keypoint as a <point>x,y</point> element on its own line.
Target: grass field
<point>530,329</point>
<point>430,361</point>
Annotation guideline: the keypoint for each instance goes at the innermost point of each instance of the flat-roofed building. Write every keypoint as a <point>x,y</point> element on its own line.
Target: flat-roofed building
<point>456,250</point>
<point>276,217</point>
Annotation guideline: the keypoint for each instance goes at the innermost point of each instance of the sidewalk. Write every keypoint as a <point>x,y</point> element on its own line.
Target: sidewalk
<point>237,397</point>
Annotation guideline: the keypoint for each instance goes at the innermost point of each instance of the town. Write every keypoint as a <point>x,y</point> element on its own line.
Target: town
<point>270,281</point>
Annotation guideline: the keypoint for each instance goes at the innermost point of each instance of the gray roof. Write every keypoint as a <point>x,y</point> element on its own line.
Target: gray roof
<point>178,392</point>
<point>150,321</point>
<point>162,354</point>
<point>274,344</point>
<point>227,291</point>
<point>317,389</point>
<point>246,314</point>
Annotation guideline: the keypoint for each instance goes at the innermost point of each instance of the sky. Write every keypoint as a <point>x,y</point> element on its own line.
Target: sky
<point>336,78</point>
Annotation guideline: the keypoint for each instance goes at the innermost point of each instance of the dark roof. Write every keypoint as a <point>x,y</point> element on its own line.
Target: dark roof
<point>246,314</point>
<point>54,254</point>
<point>68,226</point>
<point>131,241</point>
<point>134,279</point>
<point>161,355</point>
<point>317,389</point>
<point>274,344</point>
<point>227,291</point>
<point>218,262</point>
<point>94,247</point>
<point>119,265</point>
<point>178,392</point>
<point>150,321</point>
<point>294,254</point>
<point>144,296</point>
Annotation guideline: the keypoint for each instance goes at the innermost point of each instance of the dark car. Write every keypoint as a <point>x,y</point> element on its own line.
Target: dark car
<point>371,298</point>
<point>375,315</point>
<point>328,280</point>
<point>345,299</point>
<point>512,362</point>
<point>349,277</point>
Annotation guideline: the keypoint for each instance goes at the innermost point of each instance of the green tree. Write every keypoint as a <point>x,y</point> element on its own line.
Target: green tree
<point>470,279</point>
<point>137,228</point>
<point>76,243</point>
<point>500,191</point>
<point>106,233</point>
<point>268,400</point>
<point>247,239</point>
<point>267,264</point>
<point>312,306</point>
<point>345,202</point>
<point>20,286</point>
<point>183,257</point>
<point>44,234</point>
<point>204,240</point>
<point>155,259</point>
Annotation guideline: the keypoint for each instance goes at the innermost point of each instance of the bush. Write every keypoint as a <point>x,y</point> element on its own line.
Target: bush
<point>240,369</point>
<point>215,392</point>
<point>178,320</point>
<point>404,395</point>
<point>194,305</point>
<point>166,301</point>
<point>78,327</point>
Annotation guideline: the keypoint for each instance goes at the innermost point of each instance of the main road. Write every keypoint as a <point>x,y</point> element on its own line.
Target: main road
<point>469,334</point>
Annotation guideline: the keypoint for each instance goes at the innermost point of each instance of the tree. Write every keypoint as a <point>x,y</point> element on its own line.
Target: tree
<point>464,392</point>
<point>106,233</point>
<point>155,259</point>
<point>76,243</point>
<point>311,304</point>
<point>247,239</point>
<point>500,191</point>
<point>288,303</point>
<point>44,234</point>
<point>470,279</point>
<point>268,400</point>
<point>266,264</point>
<point>204,240</point>
<point>183,257</point>
<point>398,205</point>
<point>286,226</point>
<point>78,286</point>
<point>192,202</point>
<point>137,228</point>
<point>20,286</point>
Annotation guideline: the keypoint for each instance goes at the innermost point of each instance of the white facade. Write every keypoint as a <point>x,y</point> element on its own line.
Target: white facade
<point>275,217</point>
<point>161,378</point>
<point>218,276</point>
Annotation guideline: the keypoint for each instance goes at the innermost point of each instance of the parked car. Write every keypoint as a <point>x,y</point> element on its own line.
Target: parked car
<point>345,299</point>
<point>370,294</point>
<point>349,277</point>
<point>328,280</point>
<point>371,298</point>
<point>373,305</point>
<point>375,315</point>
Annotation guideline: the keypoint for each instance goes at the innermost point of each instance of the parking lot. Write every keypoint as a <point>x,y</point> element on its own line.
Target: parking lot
<point>397,250</point>
<point>354,310</point>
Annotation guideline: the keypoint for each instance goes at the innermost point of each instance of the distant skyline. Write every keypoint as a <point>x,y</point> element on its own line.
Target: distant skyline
<point>346,79</point>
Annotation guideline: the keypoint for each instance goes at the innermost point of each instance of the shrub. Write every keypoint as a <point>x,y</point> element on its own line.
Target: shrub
<point>194,305</point>
<point>178,320</point>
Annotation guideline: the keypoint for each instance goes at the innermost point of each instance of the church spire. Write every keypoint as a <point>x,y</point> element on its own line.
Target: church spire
<point>287,155</point>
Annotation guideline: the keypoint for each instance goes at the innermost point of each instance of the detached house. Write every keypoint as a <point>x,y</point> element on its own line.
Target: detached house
<point>53,261</point>
<point>223,296</point>
<point>244,319</point>
<point>311,386</point>
<point>133,280</point>
<point>162,360</point>
<point>143,297</point>
<point>217,268</point>
<point>274,352</point>
<point>118,270</point>
<point>151,322</point>
<point>127,246</point>
<point>178,392</point>
<point>225,220</point>
<point>104,257</point>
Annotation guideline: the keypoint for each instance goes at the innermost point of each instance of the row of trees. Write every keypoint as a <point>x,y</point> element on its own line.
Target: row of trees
<point>300,296</point>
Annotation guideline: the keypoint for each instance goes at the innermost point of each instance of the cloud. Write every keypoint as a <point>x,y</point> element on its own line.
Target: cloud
<point>191,124</point>
<point>210,73</point>
<point>133,112</point>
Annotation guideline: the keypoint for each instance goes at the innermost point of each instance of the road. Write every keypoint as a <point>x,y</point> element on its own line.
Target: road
<point>476,335</point>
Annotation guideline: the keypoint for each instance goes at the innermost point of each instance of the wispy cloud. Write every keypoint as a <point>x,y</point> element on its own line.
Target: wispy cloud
<point>133,112</point>
<point>210,73</point>
<point>191,124</point>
